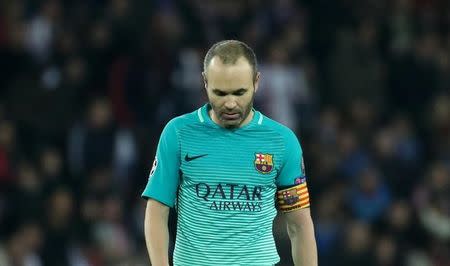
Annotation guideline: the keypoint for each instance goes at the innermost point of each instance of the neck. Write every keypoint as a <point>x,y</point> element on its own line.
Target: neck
<point>248,118</point>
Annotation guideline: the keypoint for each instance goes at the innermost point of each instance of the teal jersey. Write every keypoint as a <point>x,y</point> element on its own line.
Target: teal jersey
<point>223,184</point>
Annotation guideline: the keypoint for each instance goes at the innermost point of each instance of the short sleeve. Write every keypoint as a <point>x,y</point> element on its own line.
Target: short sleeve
<point>164,178</point>
<point>292,192</point>
<point>292,167</point>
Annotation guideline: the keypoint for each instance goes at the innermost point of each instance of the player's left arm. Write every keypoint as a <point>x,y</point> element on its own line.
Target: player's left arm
<point>300,229</point>
<point>293,201</point>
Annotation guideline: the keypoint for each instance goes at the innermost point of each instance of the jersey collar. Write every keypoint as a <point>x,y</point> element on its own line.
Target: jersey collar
<point>203,115</point>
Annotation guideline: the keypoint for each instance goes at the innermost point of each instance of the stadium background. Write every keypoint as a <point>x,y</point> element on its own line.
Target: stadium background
<point>86,87</point>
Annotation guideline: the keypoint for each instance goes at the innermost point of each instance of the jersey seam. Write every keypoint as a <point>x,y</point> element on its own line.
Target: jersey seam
<point>284,143</point>
<point>178,130</point>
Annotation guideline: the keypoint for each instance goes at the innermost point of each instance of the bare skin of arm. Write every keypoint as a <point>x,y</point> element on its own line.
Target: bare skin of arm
<point>157,232</point>
<point>300,229</point>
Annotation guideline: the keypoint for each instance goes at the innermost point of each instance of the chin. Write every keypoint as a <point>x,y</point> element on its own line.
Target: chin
<point>231,125</point>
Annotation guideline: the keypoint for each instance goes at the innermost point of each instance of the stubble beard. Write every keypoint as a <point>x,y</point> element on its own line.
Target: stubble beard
<point>238,122</point>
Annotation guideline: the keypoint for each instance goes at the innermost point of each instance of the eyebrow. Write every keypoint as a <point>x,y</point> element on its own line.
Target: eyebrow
<point>231,92</point>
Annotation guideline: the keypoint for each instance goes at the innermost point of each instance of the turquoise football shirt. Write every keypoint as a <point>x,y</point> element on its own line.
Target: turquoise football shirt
<point>225,184</point>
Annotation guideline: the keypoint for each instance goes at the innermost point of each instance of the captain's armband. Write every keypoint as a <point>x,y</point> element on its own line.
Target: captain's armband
<point>293,198</point>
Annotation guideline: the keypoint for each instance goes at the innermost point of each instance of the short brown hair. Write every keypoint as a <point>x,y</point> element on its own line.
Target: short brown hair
<point>229,51</point>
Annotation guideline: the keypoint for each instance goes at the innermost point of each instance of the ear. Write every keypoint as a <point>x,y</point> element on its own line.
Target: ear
<point>205,81</point>
<point>256,83</point>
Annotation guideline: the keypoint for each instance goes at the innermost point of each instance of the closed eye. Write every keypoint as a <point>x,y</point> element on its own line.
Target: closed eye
<point>219,92</point>
<point>238,92</point>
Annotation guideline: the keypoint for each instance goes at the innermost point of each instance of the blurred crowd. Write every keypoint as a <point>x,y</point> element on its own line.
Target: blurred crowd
<point>86,87</point>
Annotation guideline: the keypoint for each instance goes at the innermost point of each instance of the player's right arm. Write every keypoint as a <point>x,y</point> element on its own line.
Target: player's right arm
<point>161,193</point>
<point>157,233</point>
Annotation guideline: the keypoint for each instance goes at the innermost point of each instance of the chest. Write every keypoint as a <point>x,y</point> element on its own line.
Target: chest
<point>230,157</point>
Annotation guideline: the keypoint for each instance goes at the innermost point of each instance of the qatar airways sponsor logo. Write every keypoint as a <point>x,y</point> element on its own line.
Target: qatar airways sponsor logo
<point>231,197</point>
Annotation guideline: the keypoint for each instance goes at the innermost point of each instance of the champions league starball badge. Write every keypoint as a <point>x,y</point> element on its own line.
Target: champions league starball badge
<point>303,167</point>
<point>299,180</point>
<point>155,164</point>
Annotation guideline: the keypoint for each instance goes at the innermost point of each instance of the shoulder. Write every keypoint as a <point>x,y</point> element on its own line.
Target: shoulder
<point>182,121</point>
<point>283,131</point>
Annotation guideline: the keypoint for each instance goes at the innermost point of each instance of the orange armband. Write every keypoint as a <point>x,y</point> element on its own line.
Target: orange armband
<point>293,198</point>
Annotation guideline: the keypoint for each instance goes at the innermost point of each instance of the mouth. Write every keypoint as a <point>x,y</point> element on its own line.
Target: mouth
<point>231,116</point>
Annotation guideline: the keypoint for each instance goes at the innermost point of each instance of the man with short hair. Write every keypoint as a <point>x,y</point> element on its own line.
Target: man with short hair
<point>227,168</point>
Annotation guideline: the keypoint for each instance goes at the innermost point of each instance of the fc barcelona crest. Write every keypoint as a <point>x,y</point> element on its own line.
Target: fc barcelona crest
<point>263,162</point>
<point>290,196</point>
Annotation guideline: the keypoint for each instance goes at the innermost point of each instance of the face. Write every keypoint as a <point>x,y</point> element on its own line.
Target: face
<point>230,90</point>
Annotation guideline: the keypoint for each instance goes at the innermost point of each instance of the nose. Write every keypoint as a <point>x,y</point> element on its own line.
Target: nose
<point>230,104</point>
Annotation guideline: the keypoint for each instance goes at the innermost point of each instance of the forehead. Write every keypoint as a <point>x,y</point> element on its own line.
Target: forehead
<point>229,76</point>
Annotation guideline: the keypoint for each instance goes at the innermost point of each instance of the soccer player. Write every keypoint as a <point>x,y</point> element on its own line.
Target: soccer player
<point>227,169</point>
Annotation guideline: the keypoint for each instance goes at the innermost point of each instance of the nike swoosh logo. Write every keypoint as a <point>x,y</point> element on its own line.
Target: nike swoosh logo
<point>188,159</point>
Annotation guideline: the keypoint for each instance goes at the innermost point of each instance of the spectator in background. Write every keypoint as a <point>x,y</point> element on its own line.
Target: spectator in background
<point>353,156</point>
<point>386,252</point>
<point>328,130</point>
<point>414,76</point>
<point>329,224</point>
<point>400,26</point>
<point>99,50</point>
<point>42,28</point>
<point>400,221</point>
<point>398,151</point>
<point>15,62</point>
<point>110,234</point>
<point>285,87</point>
<point>384,151</point>
<point>22,245</point>
<point>438,122</point>
<point>7,146</point>
<point>407,146</point>
<point>432,202</point>
<point>370,197</point>
<point>59,228</point>
<point>91,141</point>
<point>51,168</point>
<point>186,78</point>
<point>26,199</point>
<point>98,143</point>
<point>356,248</point>
<point>356,69</point>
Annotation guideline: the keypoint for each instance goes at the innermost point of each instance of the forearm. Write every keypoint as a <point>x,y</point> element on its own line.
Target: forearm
<point>156,237</point>
<point>303,244</point>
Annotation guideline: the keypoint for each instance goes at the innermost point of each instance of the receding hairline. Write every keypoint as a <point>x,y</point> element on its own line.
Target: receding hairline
<point>217,62</point>
<point>229,52</point>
